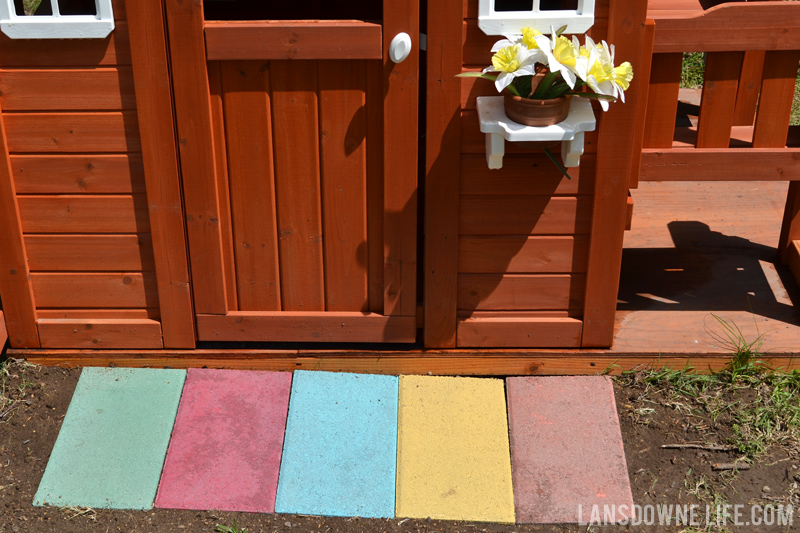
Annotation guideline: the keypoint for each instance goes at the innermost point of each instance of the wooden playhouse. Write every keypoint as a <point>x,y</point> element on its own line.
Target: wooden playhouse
<point>239,171</point>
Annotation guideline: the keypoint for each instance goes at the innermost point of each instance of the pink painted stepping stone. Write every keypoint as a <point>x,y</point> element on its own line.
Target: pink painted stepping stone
<point>566,450</point>
<point>226,445</point>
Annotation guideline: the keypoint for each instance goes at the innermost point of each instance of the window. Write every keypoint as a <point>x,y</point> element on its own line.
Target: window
<point>56,19</point>
<point>500,17</point>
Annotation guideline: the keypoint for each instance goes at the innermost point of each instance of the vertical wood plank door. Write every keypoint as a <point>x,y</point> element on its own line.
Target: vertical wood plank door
<point>298,144</point>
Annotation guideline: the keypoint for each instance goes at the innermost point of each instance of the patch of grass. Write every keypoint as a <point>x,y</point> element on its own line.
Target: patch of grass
<point>694,66</point>
<point>759,404</point>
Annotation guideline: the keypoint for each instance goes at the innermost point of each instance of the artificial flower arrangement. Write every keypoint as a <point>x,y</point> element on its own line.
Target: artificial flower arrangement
<point>536,72</point>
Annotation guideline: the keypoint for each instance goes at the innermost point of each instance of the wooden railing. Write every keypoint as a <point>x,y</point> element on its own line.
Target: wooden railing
<point>742,131</point>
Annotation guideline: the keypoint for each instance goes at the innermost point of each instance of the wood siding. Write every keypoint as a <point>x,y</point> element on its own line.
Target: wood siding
<point>75,155</point>
<point>508,249</point>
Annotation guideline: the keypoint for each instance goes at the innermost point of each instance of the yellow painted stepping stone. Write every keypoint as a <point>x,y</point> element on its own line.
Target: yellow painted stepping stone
<point>453,459</point>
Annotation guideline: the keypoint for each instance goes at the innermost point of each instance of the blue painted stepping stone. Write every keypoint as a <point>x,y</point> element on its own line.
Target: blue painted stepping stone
<point>340,449</point>
<point>112,444</point>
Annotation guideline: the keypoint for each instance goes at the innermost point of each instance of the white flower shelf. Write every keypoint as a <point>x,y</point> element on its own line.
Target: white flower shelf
<point>498,22</point>
<point>499,129</point>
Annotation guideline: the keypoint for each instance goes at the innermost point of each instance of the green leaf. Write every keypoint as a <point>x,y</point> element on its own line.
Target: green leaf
<point>523,85</point>
<point>513,90</point>
<point>557,163</point>
<point>561,30</point>
<point>544,86</point>
<point>477,75</point>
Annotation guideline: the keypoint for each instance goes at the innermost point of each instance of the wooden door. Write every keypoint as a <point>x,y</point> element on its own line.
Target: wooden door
<point>298,144</point>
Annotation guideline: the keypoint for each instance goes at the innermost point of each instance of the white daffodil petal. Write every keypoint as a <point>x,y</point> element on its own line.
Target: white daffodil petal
<point>503,80</point>
<point>502,43</point>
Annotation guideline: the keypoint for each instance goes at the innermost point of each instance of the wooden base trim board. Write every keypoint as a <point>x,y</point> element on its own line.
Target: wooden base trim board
<point>289,326</point>
<point>450,362</point>
<point>99,333</point>
<point>720,164</point>
<point>518,332</point>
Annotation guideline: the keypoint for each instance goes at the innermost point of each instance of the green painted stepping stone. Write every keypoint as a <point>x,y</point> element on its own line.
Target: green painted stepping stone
<point>112,444</point>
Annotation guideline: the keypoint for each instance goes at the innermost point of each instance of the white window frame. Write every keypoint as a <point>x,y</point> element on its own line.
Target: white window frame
<point>511,22</point>
<point>57,26</point>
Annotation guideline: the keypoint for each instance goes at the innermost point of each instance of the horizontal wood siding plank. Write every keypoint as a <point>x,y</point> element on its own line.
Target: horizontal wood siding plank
<point>78,174</point>
<point>723,164</point>
<point>84,214</point>
<point>319,39</point>
<point>94,290</point>
<point>99,334</point>
<point>524,215</point>
<point>152,313</point>
<point>87,253</point>
<point>73,132</point>
<point>67,89</point>
<point>520,291</point>
<point>113,50</point>
<point>754,24</point>
<point>524,174</point>
<point>517,332</point>
<point>306,327</point>
<point>521,254</point>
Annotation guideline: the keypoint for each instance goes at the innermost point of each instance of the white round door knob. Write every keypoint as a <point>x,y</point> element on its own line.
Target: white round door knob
<point>400,47</point>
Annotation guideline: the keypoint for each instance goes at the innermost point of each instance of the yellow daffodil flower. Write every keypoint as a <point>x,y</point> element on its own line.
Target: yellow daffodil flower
<point>623,75</point>
<point>511,62</point>
<point>529,38</point>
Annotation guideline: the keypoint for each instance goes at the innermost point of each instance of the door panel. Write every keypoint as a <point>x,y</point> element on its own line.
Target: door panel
<point>315,164</point>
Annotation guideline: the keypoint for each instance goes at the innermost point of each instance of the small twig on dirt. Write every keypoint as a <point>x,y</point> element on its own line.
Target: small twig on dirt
<point>730,466</point>
<point>13,406</point>
<point>708,447</point>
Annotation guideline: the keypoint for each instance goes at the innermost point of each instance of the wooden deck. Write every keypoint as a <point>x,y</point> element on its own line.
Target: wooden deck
<point>699,250</point>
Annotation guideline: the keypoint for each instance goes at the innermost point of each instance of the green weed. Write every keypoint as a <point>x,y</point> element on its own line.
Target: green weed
<point>230,529</point>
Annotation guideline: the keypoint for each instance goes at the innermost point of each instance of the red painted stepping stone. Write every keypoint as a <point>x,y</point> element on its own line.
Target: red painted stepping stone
<point>225,451</point>
<point>566,449</point>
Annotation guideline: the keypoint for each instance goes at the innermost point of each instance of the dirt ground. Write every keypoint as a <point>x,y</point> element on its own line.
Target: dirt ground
<point>36,400</point>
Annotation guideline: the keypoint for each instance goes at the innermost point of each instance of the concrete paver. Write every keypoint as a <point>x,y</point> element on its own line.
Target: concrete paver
<point>453,451</point>
<point>339,454</point>
<point>225,451</point>
<point>566,449</point>
<point>112,444</point>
